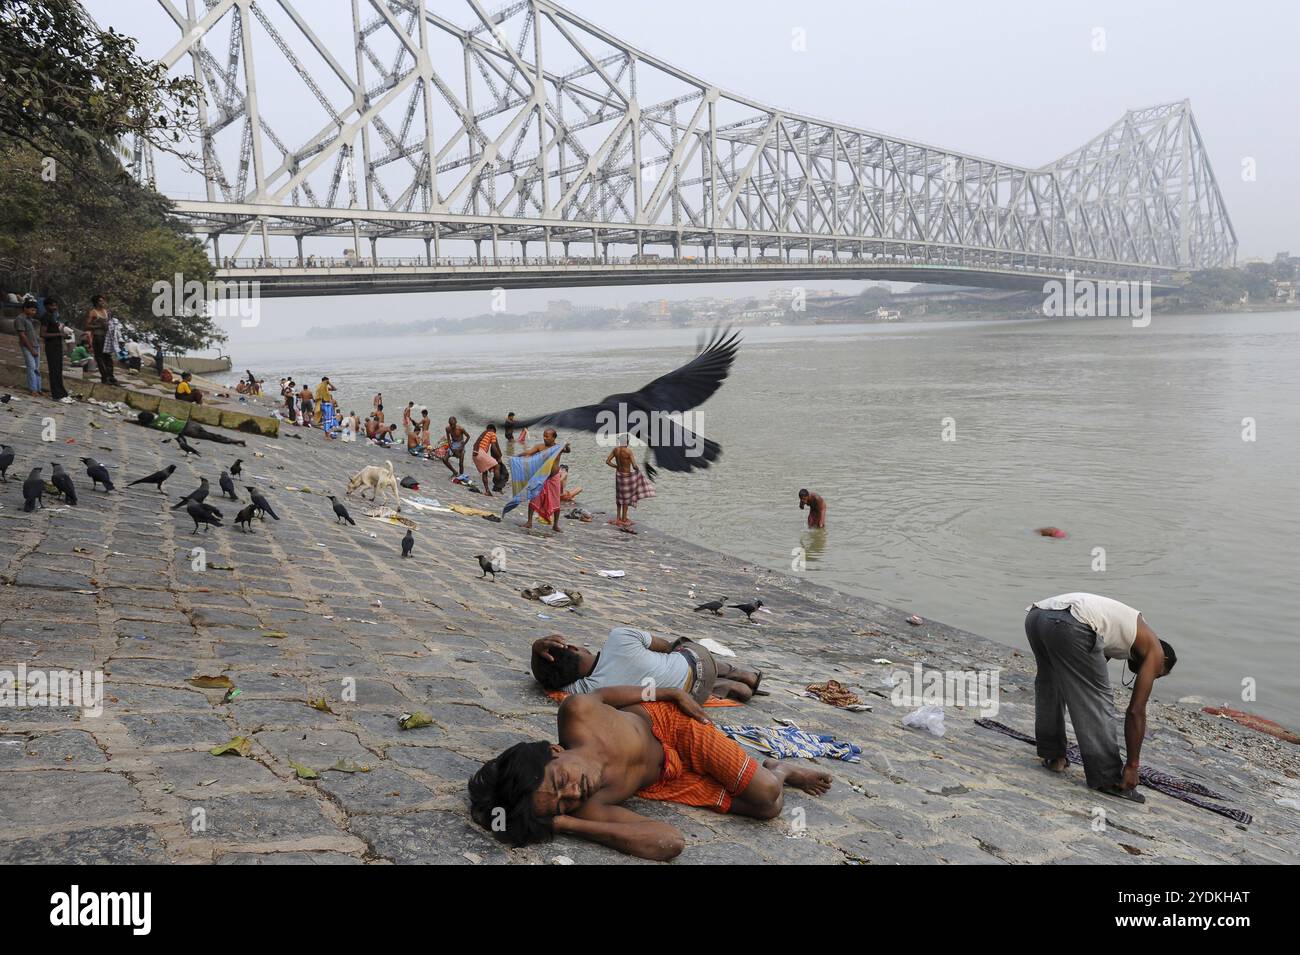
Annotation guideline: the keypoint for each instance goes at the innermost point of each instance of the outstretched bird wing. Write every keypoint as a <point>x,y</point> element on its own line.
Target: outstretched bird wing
<point>675,447</point>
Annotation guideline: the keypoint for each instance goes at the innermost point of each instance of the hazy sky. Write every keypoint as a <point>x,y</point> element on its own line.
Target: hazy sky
<point>1009,79</point>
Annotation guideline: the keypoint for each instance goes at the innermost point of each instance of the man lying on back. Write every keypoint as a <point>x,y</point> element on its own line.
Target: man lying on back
<point>636,657</point>
<point>614,745</point>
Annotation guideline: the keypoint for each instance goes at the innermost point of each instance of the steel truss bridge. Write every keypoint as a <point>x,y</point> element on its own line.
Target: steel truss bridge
<point>452,147</point>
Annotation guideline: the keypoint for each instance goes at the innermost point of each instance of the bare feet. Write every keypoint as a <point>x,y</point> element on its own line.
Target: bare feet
<point>812,781</point>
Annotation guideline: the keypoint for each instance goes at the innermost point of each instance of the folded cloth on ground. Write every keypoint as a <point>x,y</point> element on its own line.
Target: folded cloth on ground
<point>570,598</point>
<point>786,741</point>
<point>1184,789</point>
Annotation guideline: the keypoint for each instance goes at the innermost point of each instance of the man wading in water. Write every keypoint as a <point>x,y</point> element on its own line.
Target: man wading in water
<point>1072,637</point>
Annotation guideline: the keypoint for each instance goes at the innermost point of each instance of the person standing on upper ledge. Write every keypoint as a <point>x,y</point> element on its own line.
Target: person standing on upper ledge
<point>1072,636</point>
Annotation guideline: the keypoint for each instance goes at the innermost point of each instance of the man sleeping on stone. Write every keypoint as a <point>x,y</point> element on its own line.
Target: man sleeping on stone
<point>613,745</point>
<point>631,657</point>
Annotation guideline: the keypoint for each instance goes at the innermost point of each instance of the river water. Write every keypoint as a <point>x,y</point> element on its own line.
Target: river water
<point>1131,440</point>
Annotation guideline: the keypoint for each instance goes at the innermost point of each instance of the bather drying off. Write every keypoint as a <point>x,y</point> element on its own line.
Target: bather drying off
<point>612,746</point>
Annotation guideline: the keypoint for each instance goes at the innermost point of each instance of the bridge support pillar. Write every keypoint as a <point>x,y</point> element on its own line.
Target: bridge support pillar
<point>546,245</point>
<point>478,251</point>
<point>428,250</point>
<point>374,251</point>
<point>216,249</point>
<point>437,241</point>
<point>299,240</point>
<point>749,247</point>
<point>595,244</point>
<point>496,250</point>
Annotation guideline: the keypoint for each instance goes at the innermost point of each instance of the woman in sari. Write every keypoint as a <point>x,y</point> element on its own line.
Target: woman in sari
<point>484,461</point>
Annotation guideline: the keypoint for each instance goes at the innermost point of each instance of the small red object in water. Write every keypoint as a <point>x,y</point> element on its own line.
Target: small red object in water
<point>1050,532</point>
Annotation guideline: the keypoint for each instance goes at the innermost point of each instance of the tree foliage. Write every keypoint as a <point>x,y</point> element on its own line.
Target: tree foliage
<point>75,224</point>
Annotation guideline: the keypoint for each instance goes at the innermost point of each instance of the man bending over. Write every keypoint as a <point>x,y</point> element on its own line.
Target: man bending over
<point>632,657</point>
<point>614,745</point>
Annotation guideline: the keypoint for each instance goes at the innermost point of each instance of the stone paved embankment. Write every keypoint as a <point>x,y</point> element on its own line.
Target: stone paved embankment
<point>303,608</point>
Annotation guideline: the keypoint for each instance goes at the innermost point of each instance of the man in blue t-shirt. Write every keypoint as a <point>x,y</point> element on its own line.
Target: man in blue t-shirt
<point>632,657</point>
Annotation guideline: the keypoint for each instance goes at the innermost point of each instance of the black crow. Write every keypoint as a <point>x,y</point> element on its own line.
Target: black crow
<point>186,446</point>
<point>341,512</point>
<point>263,505</point>
<point>156,478</point>
<point>235,469</point>
<point>228,486</point>
<point>6,461</point>
<point>33,490</point>
<point>98,474</point>
<point>487,566</point>
<point>245,517</point>
<point>198,495</point>
<point>408,542</point>
<point>63,484</point>
<point>200,513</point>
<point>643,413</point>
<point>713,605</point>
<point>749,609</point>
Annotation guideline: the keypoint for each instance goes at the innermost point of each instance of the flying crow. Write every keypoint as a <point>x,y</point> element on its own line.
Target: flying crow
<point>644,414</point>
<point>63,484</point>
<point>98,474</point>
<point>156,478</point>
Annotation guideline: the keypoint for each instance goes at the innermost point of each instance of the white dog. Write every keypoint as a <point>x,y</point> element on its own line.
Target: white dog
<point>376,478</point>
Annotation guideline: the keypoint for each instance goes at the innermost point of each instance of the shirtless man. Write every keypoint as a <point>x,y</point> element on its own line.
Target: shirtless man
<point>457,438</point>
<point>613,745</point>
<point>549,437</point>
<point>630,485</point>
<point>816,505</point>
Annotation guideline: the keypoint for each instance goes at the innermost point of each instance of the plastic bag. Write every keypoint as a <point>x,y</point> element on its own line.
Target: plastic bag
<point>926,718</point>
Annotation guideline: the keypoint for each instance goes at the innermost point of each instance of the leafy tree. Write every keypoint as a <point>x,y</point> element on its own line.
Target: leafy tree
<point>75,223</point>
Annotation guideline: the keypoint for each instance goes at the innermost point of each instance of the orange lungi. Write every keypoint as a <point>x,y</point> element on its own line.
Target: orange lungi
<point>702,765</point>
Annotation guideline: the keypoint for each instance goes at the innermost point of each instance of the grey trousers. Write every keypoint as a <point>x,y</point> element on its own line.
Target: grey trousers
<point>1072,675</point>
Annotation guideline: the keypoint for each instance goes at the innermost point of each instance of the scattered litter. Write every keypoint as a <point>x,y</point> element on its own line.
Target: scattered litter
<point>412,721</point>
<point>714,647</point>
<point>836,694</point>
<point>473,857</point>
<point>543,616</point>
<point>212,682</point>
<point>240,746</point>
<point>320,703</point>
<point>561,860</point>
<point>612,573</point>
<point>926,718</point>
<point>883,661</point>
<point>303,772</point>
<point>347,766</point>
<point>915,621</point>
